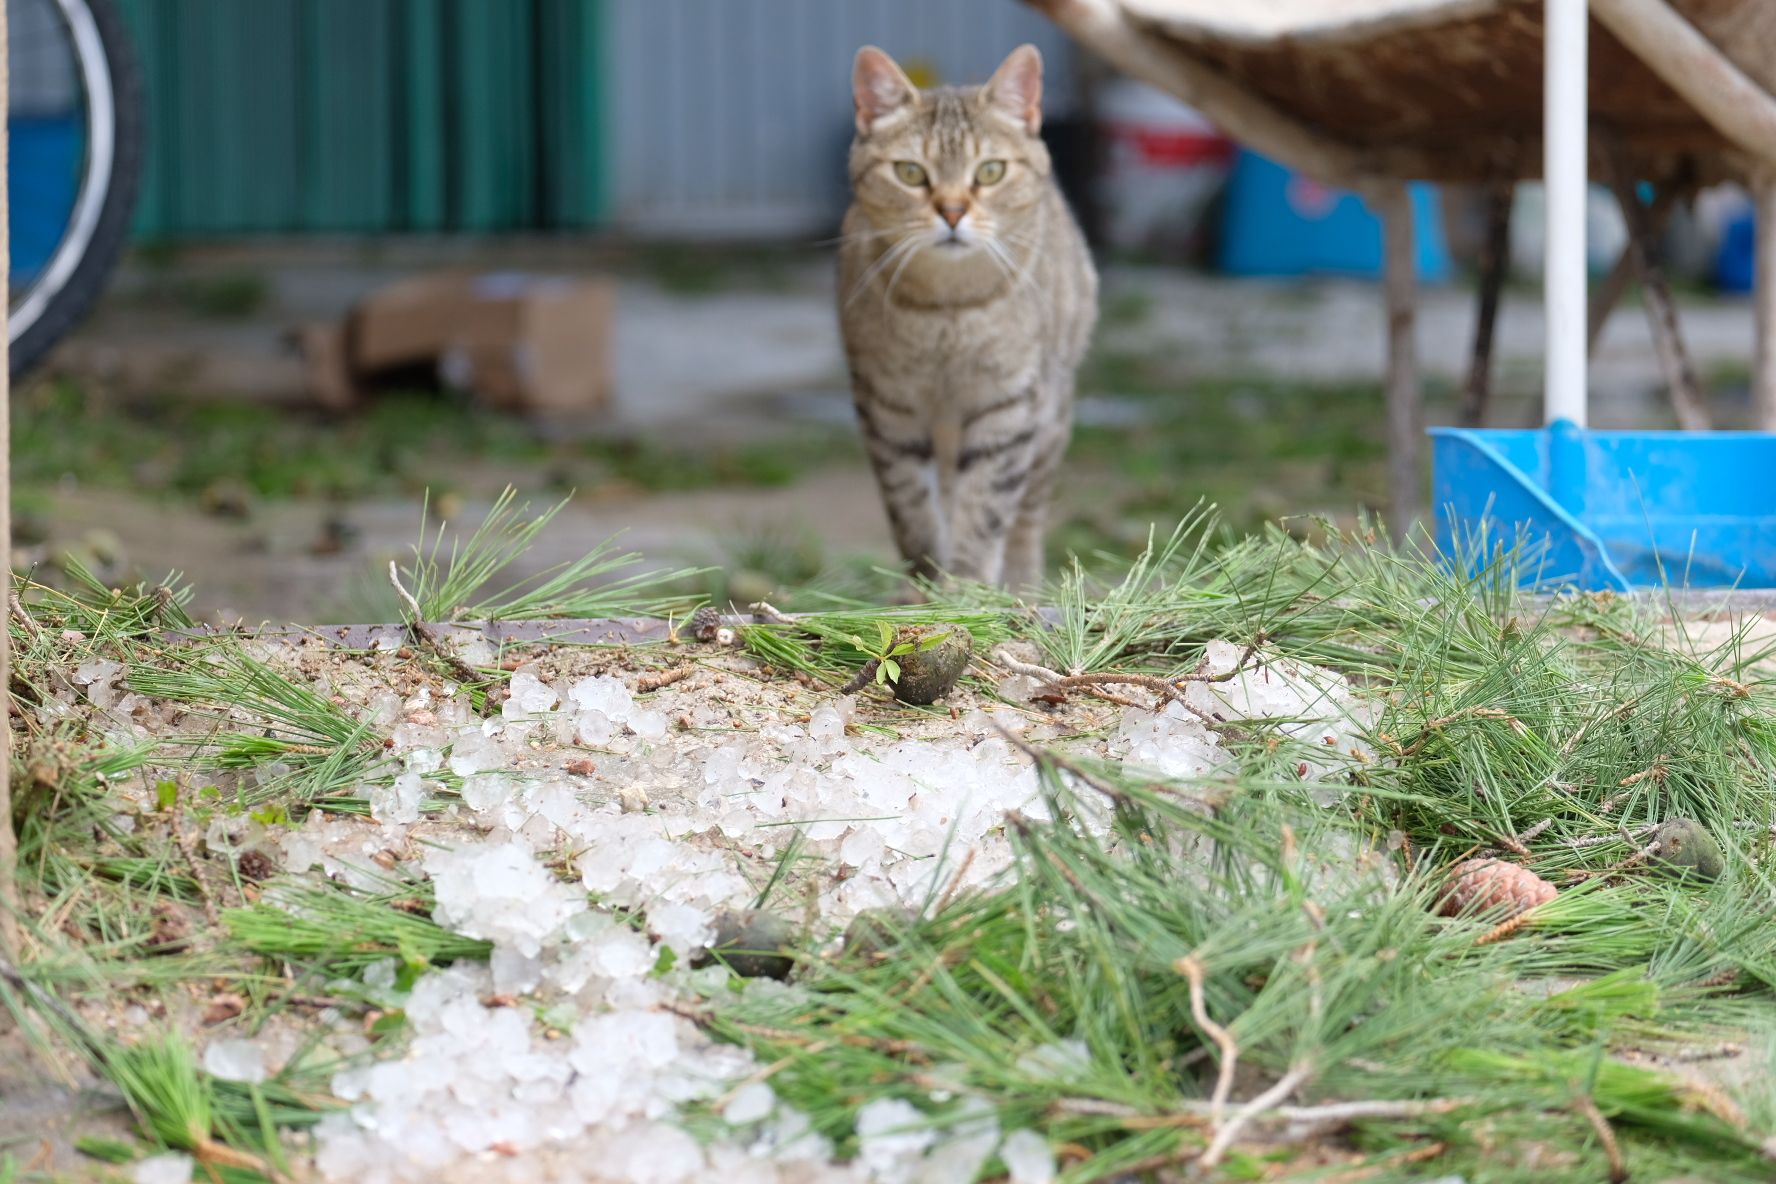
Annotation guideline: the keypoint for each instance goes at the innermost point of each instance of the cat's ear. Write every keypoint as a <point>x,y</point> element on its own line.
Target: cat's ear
<point>1016,87</point>
<point>878,88</point>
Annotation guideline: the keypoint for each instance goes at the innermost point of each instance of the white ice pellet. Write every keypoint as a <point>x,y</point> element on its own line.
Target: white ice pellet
<point>649,725</point>
<point>400,802</point>
<point>1027,1157</point>
<point>499,892</point>
<point>751,1103</point>
<point>167,1168</point>
<point>604,694</point>
<point>529,695</point>
<point>235,1060</point>
<point>891,1136</point>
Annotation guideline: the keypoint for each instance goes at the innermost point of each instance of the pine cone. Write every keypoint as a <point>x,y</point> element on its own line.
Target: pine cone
<point>1488,885</point>
<point>704,622</point>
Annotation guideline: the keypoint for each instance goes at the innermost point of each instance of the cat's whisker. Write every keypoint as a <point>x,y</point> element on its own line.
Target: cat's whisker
<point>883,261</point>
<point>888,292</point>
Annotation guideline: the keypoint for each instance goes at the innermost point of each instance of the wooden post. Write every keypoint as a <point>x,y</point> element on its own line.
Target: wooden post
<point>1405,405</point>
<point>1674,360</point>
<point>9,898</point>
<point>1763,377</point>
<point>1495,261</point>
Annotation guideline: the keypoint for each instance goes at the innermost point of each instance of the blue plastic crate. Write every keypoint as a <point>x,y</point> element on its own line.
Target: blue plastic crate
<point>1614,509</point>
<point>1279,223</point>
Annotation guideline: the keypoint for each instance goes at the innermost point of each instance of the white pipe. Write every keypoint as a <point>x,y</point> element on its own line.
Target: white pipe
<point>1563,172</point>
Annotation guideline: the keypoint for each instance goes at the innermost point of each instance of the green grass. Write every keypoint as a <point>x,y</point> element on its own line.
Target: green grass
<point>1177,931</point>
<point>399,444</point>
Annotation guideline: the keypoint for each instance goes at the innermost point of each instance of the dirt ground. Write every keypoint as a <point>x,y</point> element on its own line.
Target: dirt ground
<point>738,351</point>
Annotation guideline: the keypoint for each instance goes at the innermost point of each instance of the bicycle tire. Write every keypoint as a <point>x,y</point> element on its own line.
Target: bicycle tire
<point>101,45</point>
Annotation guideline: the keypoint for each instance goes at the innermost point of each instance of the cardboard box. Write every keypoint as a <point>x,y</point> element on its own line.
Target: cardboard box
<point>534,345</point>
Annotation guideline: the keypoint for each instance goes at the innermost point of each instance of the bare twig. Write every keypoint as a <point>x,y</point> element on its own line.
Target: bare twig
<point>23,616</point>
<point>1192,969</point>
<point>422,633</point>
<point>1654,772</point>
<point>1027,669</point>
<point>1603,840</point>
<point>1268,1100</point>
<point>765,612</point>
<point>662,678</point>
<point>1618,1167</point>
<point>200,874</point>
<point>865,675</point>
<point>1506,928</point>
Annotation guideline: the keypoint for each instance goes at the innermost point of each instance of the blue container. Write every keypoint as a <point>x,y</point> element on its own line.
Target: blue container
<point>1279,223</point>
<point>1735,265</point>
<point>1615,509</point>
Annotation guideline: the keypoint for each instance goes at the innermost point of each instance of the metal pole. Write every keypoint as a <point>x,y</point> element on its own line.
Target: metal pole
<point>1563,171</point>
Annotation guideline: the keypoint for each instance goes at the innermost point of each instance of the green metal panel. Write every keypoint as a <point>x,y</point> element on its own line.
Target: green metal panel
<point>370,115</point>
<point>571,73</point>
<point>419,149</point>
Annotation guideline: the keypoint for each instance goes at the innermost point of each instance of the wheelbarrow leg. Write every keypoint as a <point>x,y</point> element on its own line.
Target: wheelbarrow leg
<point>1495,259</point>
<point>1609,292</point>
<point>1405,403</point>
<point>1674,359</point>
<point>1763,379</point>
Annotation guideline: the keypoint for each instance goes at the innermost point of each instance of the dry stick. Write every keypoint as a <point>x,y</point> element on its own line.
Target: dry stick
<point>199,874</point>
<point>1192,969</point>
<point>422,633</point>
<point>1027,669</point>
<point>1505,928</point>
<point>1674,359</point>
<point>662,678</point>
<point>1495,252</point>
<point>1400,1159</point>
<point>1267,1100</point>
<point>1618,1167</point>
<point>23,617</point>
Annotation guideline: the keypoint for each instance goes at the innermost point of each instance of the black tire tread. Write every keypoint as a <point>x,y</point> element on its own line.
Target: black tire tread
<point>75,300</point>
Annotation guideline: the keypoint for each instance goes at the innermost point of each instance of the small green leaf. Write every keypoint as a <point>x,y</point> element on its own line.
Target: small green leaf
<point>932,642</point>
<point>273,814</point>
<point>666,961</point>
<point>888,671</point>
<point>860,643</point>
<point>887,632</point>
<point>388,1023</point>
<point>166,793</point>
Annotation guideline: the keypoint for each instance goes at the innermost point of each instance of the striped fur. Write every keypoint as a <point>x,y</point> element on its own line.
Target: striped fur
<point>966,302</point>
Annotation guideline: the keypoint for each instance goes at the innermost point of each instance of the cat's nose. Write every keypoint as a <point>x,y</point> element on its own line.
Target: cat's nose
<point>952,212</point>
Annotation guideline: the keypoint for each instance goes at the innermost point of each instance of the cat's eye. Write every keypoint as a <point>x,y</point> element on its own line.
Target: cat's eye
<point>909,172</point>
<point>991,172</point>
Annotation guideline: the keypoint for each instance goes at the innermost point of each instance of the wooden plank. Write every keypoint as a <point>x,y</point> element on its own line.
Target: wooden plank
<point>1695,68</point>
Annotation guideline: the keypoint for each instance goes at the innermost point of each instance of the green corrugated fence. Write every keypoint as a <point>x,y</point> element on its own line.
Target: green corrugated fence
<point>370,115</point>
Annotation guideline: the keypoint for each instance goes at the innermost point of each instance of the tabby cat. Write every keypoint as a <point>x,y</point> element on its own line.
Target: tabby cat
<point>966,299</point>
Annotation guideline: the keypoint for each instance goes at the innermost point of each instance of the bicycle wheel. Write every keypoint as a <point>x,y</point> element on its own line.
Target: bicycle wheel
<point>74,127</point>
